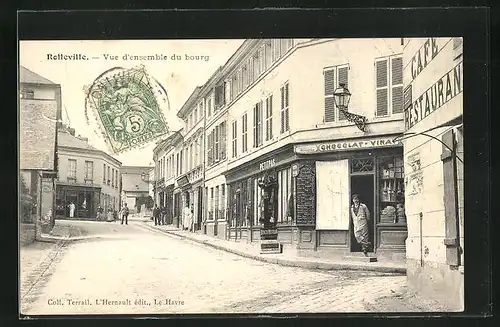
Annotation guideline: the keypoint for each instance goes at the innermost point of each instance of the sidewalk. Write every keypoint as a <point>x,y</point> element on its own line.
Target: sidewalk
<point>287,258</point>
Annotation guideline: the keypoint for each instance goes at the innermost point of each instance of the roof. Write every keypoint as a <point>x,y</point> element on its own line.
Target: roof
<point>67,140</point>
<point>27,76</point>
<point>186,106</point>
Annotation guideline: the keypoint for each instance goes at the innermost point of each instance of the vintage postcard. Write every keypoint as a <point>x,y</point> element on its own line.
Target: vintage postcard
<point>241,176</point>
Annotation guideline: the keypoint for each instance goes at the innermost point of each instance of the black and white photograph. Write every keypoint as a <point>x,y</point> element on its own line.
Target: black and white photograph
<point>241,176</point>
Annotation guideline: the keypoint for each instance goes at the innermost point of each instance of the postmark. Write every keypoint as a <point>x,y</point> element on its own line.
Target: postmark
<point>127,104</point>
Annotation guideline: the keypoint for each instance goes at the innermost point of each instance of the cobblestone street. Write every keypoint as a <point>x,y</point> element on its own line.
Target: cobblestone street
<point>149,272</point>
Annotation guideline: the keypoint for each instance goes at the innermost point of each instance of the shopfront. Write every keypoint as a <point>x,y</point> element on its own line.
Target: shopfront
<point>245,196</point>
<point>86,200</point>
<point>327,174</point>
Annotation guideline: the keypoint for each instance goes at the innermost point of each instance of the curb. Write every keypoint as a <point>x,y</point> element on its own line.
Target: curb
<point>315,265</point>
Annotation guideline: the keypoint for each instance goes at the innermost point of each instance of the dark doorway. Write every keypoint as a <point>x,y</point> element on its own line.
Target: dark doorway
<point>177,208</point>
<point>363,185</point>
<point>200,208</point>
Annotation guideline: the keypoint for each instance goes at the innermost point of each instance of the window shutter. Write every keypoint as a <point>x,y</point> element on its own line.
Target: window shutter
<point>261,130</point>
<point>255,126</point>
<point>223,140</point>
<point>343,79</point>
<point>329,89</point>
<point>397,85</point>
<point>282,107</point>
<point>271,117</point>
<point>382,94</point>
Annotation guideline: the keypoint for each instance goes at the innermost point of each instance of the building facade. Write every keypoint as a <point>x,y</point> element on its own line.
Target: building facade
<point>88,178</point>
<point>134,186</point>
<point>433,155</point>
<point>165,172</point>
<point>267,113</point>
<point>284,122</point>
<point>39,111</point>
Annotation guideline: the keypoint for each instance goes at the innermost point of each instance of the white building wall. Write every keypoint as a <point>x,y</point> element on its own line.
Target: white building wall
<point>428,271</point>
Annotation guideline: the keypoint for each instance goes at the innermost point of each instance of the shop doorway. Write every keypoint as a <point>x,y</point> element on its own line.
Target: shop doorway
<point>363,185</point>
<point>200,208</point>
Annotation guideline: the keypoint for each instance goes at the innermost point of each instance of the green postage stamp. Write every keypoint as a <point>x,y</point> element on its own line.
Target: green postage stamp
<point>127,106</point>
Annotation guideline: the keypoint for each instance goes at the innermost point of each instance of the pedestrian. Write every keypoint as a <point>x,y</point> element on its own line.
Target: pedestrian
<point>186,221</point>
<point>99,213</point>
<point>360,218</point>
<point>156,214</point>
<point>72,208</point>
<point>124,213</point>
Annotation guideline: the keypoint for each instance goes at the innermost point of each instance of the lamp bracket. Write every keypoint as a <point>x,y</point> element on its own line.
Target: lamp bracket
<point>359,120</point>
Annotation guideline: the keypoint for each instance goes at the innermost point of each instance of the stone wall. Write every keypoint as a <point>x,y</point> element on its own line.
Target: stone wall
<point>26,234</point>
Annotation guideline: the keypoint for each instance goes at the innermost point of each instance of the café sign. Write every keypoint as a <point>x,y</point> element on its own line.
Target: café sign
<point>347,145</point>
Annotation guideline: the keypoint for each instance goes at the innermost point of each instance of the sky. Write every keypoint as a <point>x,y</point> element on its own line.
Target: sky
<point>178,77</point>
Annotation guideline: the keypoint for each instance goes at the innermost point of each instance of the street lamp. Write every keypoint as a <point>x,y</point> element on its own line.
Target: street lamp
<point>341,97</point>
<point>145,177</point>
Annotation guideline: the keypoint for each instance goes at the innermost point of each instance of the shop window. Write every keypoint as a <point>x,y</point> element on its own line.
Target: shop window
<point>284,195</point>
<point>362,165</point>
<point>391,188</point>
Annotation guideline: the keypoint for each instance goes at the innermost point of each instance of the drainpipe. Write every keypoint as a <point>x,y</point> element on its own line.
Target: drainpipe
<point>421,216</point>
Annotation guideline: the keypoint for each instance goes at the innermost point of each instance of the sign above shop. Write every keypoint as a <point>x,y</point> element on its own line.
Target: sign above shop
<point>348,145</point>
<point>267,164</point>
<point>442,91</point>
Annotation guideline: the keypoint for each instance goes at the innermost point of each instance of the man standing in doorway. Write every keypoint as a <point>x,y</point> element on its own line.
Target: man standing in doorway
<point>156,215</point>
<point>124,213</point>
<point>360,218</point>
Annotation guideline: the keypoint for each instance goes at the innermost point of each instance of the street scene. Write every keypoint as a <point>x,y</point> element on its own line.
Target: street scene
<point>103,263</point>
<point>147,189</point>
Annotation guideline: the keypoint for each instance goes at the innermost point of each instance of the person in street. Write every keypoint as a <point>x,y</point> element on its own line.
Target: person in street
<point>99,213</point>
<point>72,208</point>
<point>186,221</point>
<point>360,218</point>
<point>124,213</point>
<point>164,215</point>
<point>156,215</point>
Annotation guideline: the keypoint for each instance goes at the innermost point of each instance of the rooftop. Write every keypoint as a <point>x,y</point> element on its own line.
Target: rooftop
<point>67,140</point>
<point>27,76</point>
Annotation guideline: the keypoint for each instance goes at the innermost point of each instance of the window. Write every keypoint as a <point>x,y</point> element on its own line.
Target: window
<point>244,133</point>
<point>235,139</point>
<point>285,121</point>
<point>181,163</point>
<point>334,76</point>
<point>210,155</point>
<point>109,175</point>
<point>27,94</point>
<point>268,54</point>
<point>389,85</point>
<point>211,204</point>
<point>257,125</point>
<point>245,78</point>
<point>216,204</point>
<point>112,177</point>
<point>391,181</point>
<point>269,118</point>
<point>276,49</point>
<point>220,96</point>
<point>72,169</point>
<point>191,164</point>
<point>195,115</point>
<point>104,173</point>
<point>285,208</point>
<point>116,180</point>
<point>209,107</point>
<point>216,143</point>
<point>222,134</point>
<point>222,202</point>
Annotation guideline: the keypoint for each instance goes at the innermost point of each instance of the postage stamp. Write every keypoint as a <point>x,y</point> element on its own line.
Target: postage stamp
<point>126,105</point>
